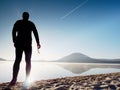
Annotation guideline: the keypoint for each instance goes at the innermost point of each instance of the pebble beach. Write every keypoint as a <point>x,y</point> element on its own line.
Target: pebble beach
<point>110,81</point>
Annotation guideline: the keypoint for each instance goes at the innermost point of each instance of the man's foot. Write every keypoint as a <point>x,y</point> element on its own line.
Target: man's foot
<point>26,85</point>
<point>12,83</point>
<point>7,89</point>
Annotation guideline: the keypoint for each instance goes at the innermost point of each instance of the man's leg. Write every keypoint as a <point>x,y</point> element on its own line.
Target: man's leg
<point>16,65</point>
<point>28,53</point>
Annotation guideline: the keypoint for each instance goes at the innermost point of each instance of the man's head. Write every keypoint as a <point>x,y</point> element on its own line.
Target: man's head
<point>25,15</point>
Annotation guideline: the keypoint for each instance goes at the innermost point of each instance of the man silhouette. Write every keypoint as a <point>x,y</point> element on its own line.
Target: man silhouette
<point>22,39</point>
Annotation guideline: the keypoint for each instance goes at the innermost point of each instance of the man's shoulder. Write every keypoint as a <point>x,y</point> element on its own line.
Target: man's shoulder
<point>18,21</point>
<point>30,22</point>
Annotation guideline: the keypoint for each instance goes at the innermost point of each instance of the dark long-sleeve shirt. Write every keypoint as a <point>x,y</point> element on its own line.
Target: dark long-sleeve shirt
<point>22,32</point>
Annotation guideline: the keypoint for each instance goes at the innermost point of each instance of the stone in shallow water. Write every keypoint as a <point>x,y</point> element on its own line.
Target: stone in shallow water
<point>104,86</point>
<point>108,80</point>
<point>7,89</point>
<point>113,87</point>
<point>118,85</point>
<point>61,87</point>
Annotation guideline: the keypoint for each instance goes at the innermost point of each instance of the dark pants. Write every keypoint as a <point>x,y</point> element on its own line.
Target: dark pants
<point>19,51</point>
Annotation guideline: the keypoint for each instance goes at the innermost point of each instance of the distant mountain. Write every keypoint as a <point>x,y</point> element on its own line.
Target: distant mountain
<point>1,59</point>
<point>75,57</point>
<point>81,58</point>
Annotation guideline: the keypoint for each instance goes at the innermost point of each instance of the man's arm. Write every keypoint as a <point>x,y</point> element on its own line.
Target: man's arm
<point>14,34</point>
<point>35,32</point>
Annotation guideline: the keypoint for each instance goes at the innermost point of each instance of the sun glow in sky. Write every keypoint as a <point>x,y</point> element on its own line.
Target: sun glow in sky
<point>91,27</point>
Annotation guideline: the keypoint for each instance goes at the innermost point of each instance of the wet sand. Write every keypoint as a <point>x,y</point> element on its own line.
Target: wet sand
<point>110,81</point>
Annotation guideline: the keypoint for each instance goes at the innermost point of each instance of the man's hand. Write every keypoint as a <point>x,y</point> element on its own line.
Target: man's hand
<point>38,46</point>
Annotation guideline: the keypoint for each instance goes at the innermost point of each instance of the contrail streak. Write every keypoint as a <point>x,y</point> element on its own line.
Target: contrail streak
<point>73,10</point>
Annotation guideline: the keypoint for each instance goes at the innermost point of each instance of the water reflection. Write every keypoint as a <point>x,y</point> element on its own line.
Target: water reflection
<point>78,68</point>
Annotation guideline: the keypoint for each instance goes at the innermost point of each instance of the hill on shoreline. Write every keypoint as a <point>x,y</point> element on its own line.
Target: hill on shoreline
<point>77,58</point>
<point>81,58</point>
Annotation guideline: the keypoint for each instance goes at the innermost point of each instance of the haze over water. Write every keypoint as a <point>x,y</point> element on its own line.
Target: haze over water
<point>49,70</point>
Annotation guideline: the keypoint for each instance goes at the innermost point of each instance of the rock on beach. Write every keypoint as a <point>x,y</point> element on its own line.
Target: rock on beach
<point>110,81</point>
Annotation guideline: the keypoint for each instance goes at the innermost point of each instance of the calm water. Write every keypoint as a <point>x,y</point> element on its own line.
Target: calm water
<point>49,70</point>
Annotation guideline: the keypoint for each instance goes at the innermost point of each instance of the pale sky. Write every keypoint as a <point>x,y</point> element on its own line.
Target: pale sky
<point>91,27</point>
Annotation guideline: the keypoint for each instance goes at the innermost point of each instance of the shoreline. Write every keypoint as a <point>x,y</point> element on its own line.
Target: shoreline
<point>109,81</point>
